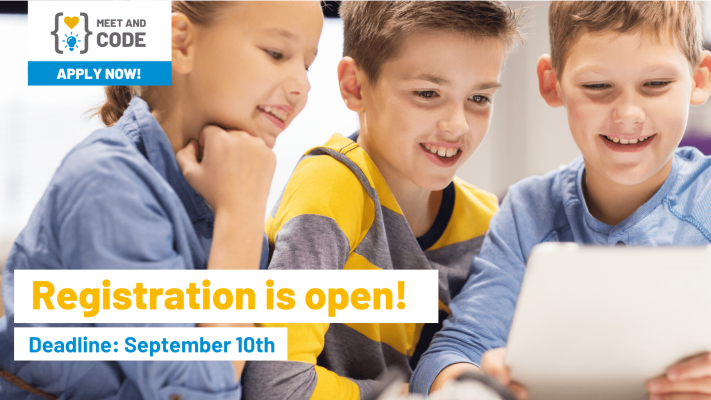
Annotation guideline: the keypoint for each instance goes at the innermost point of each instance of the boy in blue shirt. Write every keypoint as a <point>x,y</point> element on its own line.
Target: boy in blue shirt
<point>626,73</point>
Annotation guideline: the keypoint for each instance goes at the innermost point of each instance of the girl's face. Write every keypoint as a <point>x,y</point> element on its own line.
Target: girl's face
<point>250,66</point>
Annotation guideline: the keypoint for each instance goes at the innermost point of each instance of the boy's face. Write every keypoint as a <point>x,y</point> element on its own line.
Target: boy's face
<point>430,107</point>
<point>627,98</point>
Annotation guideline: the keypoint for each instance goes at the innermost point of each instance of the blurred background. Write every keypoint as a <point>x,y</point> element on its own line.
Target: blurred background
<point>39,125</point>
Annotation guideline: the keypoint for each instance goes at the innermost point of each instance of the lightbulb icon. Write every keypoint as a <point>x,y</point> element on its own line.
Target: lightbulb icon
<point>71,41</point>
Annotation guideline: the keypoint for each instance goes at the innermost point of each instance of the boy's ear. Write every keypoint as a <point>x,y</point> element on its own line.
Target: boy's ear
<point>349,84</point>
<point>701,80</point>
<point>547,82</point>
<point>183,40</point>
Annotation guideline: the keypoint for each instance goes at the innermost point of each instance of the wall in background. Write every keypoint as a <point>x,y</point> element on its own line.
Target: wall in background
<point>526,136</point>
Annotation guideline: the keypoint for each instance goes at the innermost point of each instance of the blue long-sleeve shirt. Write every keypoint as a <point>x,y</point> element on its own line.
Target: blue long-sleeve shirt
<point>552,208</point>
<point>118,201</point>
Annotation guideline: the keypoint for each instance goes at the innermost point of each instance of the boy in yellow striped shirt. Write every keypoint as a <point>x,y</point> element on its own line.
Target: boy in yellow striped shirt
<point>422,76</point>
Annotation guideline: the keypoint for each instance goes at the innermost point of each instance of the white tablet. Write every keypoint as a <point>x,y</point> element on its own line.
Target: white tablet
<point>598,322</point>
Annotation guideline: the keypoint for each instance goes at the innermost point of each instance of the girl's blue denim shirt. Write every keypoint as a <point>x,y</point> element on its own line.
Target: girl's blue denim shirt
<point>118,201</point>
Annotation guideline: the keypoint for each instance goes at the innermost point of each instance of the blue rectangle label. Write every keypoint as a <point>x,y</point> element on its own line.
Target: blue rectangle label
<point>99,73</point>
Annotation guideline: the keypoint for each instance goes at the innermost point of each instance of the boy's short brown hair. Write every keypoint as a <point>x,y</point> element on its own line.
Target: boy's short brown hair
<point>681,20</point>
<point>373,30</point>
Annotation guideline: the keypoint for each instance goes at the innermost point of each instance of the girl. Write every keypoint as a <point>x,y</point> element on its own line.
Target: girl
<point>120,201</point>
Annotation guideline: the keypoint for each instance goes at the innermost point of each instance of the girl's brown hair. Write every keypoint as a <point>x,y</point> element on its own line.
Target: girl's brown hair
<point>117,97</point>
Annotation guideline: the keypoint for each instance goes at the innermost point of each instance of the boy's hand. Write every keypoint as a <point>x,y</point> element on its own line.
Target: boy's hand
<point>450,373</point>
<point>492,363</point>
<point>235,171</point>
<point>690,379</point>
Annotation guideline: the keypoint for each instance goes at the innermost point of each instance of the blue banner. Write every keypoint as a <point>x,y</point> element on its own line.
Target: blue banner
<point>99,73</point>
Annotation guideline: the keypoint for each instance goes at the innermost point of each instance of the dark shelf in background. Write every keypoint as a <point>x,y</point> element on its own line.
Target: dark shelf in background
<point>330,8</point>
<point>13,7</point>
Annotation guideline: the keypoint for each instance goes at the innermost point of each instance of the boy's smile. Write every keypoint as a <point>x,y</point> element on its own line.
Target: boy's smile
<point>627,144</point>
<point>430,107</point>
<point>442,153</point>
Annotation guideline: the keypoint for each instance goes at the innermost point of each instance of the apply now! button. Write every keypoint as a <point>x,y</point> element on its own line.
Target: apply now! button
<point>99,73</point>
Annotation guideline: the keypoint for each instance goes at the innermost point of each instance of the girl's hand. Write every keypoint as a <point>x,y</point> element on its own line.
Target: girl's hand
<point>233,176</point>
<point>688,380</point>
<point>492,363</point>
<point>235,171</point>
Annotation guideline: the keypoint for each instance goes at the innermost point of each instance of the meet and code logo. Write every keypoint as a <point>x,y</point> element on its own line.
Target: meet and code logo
<point>99,43</point>
<point>71,41</point>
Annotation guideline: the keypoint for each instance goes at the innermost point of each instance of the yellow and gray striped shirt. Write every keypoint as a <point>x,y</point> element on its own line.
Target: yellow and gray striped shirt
<point>337,212</point>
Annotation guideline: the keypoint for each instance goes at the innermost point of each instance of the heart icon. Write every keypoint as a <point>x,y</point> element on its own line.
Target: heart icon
<point>71,22</point>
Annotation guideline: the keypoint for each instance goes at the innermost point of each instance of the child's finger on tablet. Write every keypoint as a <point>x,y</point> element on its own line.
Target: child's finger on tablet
<point>663,386</point>
<point>695,367</point>
<point>493,365</point>
<point>518,390</point>
<point>682,396</point>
